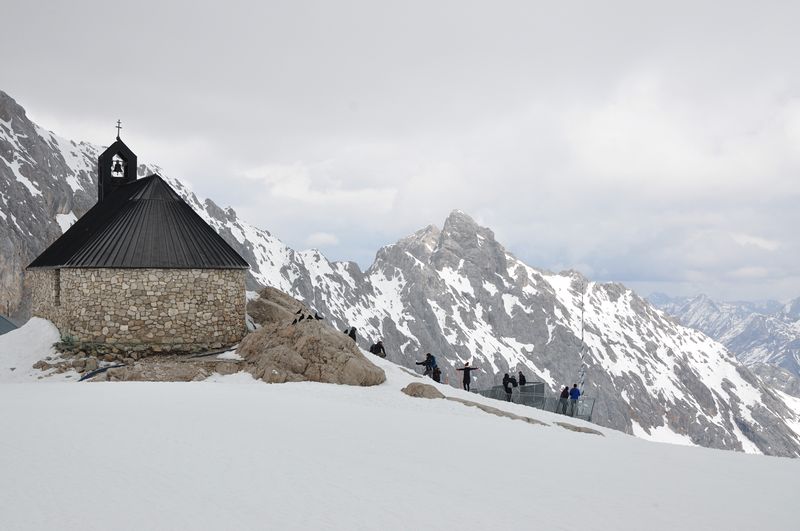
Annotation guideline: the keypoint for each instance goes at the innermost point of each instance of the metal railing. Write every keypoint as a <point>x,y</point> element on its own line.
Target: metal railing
<point>535,395</point>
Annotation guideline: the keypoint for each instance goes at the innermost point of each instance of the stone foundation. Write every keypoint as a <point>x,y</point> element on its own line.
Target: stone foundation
<point>177,309</point>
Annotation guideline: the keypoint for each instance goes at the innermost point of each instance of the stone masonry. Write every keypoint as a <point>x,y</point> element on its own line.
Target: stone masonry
<point>178,309</point>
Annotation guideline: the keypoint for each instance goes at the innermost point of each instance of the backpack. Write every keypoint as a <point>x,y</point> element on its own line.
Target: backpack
<point>433,362</point>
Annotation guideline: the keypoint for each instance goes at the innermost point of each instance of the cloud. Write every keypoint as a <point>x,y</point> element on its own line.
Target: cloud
<point>313,186</point>
<point>749,272</point>
<point>755,241</point>
<point>322,239</point>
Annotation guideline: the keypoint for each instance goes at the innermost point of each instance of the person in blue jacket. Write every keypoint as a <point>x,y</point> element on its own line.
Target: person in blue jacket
<point>574,395</point>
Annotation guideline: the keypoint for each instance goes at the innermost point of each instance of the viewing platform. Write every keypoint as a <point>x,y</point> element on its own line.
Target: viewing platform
<point>534,394</point>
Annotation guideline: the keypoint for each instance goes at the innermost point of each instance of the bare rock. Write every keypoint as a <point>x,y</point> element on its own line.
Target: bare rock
<point>422,390</point>
<point>308,351</point>
<point>91,364</point>
<point>579,429</point>
<point>158,372</point>
<point>274,306</point>
<point>226,367</point>
<point>116,374</point>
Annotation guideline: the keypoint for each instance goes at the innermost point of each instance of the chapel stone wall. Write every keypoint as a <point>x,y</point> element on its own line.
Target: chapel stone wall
<point>182,309</point>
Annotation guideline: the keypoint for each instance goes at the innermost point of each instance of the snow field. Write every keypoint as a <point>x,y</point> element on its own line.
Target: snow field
<point>217,455</point>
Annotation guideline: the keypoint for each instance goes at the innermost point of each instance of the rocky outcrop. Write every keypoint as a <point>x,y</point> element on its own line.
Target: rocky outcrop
<point>421,390</point>
<point>274,306</point>
<point>309,350</point>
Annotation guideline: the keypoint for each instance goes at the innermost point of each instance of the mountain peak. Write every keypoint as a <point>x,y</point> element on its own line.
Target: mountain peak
<point>459,217</point>
<point>459,227</point>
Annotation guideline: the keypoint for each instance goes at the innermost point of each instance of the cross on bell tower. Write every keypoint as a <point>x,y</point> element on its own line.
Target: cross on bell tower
<point>116,167</point>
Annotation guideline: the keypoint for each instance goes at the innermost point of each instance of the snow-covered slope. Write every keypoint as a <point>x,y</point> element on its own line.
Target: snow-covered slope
<point>228,454</point>
<point>455,292</point>
<point>766,332</point>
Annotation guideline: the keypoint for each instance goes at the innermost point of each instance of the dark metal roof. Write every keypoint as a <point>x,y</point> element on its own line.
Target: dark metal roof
<point>6,325</point>
<point>144,224</point>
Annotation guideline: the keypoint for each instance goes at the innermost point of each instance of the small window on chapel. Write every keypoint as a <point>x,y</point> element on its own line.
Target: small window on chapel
<point>57,288</point>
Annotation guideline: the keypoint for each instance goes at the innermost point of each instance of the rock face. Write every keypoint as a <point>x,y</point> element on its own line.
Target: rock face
<point>755,332</point>
<point>309,350</point>
<point>778,378</point>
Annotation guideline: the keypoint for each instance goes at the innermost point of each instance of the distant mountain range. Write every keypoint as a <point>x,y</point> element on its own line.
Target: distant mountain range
<point>755,332</point>
<point>453,291</point>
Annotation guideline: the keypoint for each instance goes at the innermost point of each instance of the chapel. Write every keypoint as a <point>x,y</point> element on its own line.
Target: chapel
<point>140,269</point>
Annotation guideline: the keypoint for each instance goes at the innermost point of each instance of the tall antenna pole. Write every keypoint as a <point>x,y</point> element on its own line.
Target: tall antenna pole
<point>582,373</point>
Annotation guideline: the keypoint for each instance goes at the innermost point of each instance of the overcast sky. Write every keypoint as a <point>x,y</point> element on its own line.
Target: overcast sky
<point>658,146</point>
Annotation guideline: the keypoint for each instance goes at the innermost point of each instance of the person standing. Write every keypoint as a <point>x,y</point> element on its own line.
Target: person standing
<point>437,375</point>
<point>508,383</point>
<point>467,378</point>
<point>562,401</point>
<point>429,363</point>
<point>522,380</point>
<point>574,395</point>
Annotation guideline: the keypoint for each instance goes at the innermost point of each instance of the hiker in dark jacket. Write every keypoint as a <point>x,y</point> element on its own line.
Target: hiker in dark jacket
<point>522,380</point>
<point>467,378</point>
<point>574,395</point>
<point>436,375</point>
<point>429,363</point>
<point>352,333</point>
<point>562,401</point>
<point>378,349</point>
<point>508,383</point>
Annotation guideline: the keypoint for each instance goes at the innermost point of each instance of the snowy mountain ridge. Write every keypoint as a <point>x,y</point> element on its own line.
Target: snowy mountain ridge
<point>453,291</point>
<point>766,332</point>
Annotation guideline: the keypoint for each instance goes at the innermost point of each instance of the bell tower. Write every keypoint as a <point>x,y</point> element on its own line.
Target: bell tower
<point>116,166</point>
